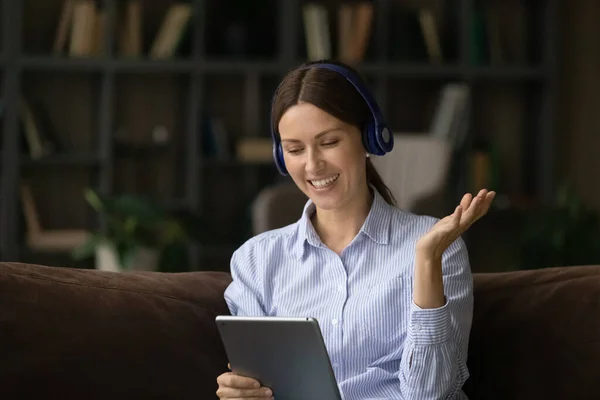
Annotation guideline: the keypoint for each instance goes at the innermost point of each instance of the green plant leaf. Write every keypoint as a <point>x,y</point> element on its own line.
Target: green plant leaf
<point>94,199</point>
<point>135,221</point>
<point>125,255</point>
<point>88,249</point>
<point>566,234</point>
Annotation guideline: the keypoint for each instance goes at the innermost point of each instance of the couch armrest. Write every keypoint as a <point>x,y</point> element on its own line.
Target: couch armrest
<point>93,334</point>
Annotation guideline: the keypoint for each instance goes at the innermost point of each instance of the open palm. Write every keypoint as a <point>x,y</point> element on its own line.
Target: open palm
<point>448,229</point>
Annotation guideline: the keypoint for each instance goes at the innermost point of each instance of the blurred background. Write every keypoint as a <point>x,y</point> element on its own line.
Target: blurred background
<point>135,133</point>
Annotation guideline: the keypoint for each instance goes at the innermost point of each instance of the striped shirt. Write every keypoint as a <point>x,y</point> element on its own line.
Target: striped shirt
<point>381,344</point>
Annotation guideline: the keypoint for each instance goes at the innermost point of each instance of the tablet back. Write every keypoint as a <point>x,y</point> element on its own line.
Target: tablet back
<point>287,355</point>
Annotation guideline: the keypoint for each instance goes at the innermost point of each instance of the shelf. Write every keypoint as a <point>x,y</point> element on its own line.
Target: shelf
<point>245,67</point>
<point>67,160</point>
<point>30,62</point>
<point>222,79</point>
<point>208,163</point>
<point>149,65</point>
<point>146,105</point>
<point>508,72</point>
<point>410,70</point>
<point>44,63</point>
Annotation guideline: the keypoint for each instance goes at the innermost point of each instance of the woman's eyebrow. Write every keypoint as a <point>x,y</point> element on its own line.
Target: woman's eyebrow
<point>318,135</point>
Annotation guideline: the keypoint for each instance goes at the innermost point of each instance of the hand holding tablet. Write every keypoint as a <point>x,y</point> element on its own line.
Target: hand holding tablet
<point>286,356</point>
<point>233,386</point>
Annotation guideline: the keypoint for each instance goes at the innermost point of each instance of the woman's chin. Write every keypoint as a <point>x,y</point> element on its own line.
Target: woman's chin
<point>327,199</point>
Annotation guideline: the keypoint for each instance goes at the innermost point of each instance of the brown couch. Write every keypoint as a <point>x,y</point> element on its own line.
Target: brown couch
<point>85,334</point>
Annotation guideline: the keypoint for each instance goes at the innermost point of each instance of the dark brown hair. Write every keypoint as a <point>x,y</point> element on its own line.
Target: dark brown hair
<point>332,93</point>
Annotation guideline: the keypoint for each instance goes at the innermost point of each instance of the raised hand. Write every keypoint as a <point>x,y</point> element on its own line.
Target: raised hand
<point>447,230</point>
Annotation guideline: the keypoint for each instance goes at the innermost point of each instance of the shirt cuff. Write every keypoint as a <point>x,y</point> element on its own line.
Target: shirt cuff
<point>429,326</point>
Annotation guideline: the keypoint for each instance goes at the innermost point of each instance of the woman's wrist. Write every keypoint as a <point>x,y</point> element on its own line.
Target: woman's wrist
<point>428,258</point>
<point>428,291</point>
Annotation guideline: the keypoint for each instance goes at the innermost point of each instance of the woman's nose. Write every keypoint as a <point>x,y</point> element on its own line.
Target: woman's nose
<point>314,162</point>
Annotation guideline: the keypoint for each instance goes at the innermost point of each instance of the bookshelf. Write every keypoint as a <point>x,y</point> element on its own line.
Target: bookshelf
<point>106,104</point>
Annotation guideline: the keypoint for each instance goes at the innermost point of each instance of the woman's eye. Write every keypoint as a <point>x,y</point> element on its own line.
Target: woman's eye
<point>330,142</point>
<point>294,151</point>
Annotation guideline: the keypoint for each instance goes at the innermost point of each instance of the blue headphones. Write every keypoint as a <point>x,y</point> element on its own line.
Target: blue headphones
<point>376,135</point>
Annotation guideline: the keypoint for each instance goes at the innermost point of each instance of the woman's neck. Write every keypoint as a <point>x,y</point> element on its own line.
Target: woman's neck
<point>337,228</point>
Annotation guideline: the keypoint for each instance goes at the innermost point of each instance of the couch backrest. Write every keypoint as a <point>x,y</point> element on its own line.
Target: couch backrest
<point>87,334</point>
<point>96,335</point>
<point>536,335</point>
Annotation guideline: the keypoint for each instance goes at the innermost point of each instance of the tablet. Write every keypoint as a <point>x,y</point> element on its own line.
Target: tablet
<point>285,354</point>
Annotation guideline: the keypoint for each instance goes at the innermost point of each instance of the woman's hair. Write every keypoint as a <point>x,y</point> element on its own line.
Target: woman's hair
<point>332,93</point>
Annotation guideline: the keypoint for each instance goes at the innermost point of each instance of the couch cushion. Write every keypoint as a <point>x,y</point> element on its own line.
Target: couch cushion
<point>89,334</point>
<point>536,335</point>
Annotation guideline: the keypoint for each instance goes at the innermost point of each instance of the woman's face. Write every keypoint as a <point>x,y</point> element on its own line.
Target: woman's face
<point>323,155</point>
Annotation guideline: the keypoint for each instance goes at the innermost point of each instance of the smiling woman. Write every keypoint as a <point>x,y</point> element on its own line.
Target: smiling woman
<point>318,106</point>
<point>392,291</point>
<point>316,157</point>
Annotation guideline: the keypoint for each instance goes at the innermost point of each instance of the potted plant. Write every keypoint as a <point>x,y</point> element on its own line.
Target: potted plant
<point>139,235</point>
<point>564,234</point>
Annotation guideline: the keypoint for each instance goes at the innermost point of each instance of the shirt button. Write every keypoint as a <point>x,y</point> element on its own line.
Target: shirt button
<point>335,365</point>
<point>334,321</point>
<point>417,327</point>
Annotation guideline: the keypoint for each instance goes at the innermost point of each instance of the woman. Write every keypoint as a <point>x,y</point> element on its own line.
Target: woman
<point>397,286</point>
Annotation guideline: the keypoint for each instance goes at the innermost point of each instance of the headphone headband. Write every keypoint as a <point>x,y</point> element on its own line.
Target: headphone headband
<point>376,135</point>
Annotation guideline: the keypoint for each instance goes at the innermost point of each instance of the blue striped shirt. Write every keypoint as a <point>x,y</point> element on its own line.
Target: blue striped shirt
<point>381,344</point>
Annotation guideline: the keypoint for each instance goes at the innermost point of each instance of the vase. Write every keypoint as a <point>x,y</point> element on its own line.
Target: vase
<point>145,259</point>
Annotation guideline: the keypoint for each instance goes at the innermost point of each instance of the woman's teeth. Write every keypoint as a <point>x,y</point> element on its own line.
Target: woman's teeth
<point>324,182</point>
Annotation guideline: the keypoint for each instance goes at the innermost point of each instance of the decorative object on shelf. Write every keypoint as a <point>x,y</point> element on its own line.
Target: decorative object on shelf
<point>41,239</point>
<point>144,259</point>
<point>139,236</point>
<point>566,233</point>
<point>160,135</point>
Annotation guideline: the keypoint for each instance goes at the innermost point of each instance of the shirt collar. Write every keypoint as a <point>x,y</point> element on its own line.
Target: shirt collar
<point>376,225</point>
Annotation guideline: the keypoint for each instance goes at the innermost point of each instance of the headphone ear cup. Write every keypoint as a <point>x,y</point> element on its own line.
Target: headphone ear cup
<point>385,139</point>
<point>369,138</point>
<point>279,161</point>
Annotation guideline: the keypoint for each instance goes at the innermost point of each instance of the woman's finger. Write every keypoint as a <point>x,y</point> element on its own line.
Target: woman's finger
<point>231,393</point>
<point>457,217</point>
<point>232,380</point>
<point>488,201</point>
<point>247,394</point>
<point>484,205</point>
<point>469,215</point>
<point>480,208</point>
<point>466,201</point>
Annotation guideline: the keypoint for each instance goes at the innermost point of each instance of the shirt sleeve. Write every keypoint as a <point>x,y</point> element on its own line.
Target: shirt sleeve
<point>434,363</point>
<point>243,295</point>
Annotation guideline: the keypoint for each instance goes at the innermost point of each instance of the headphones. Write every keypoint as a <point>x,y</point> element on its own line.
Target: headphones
<point>376,136</point>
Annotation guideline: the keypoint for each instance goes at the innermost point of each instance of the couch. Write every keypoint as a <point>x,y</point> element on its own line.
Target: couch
<point>86,334</point>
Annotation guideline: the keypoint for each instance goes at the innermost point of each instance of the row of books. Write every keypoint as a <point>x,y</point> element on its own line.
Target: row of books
<point>419,30</point>
<point>81,29</point>
<point>355,22</point>
<point>345,31</point>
